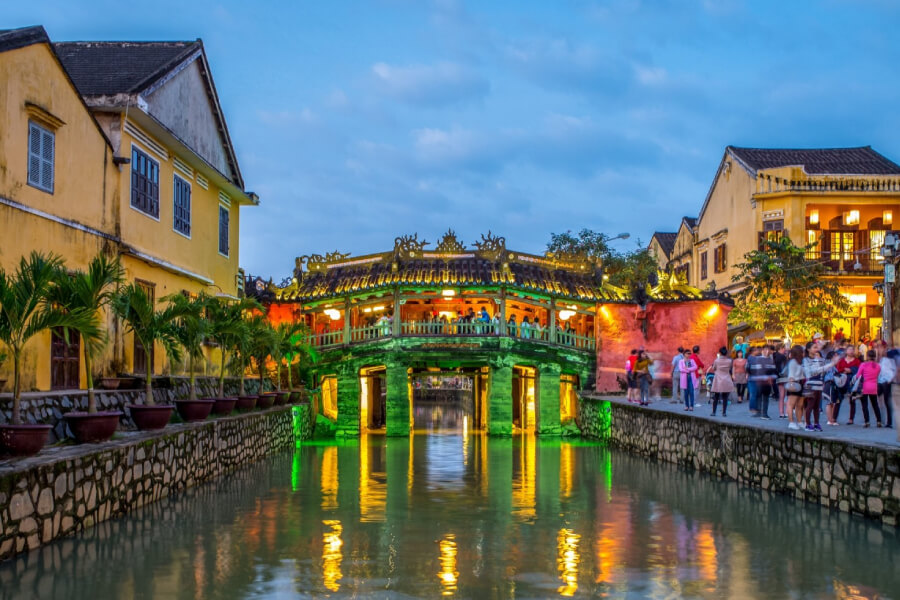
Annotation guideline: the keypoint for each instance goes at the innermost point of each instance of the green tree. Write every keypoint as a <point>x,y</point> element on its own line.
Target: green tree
<point>631,270</point>
<point>291,340</point>
<point>190,328</point>
<point>785,290</point>
<point>89,292</point>
<point>149,325</point>
<point>228,329</point>
<point>260,343</point>
<point>26,309</point>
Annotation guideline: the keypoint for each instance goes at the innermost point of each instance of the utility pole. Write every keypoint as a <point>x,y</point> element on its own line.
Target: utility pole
<point>889,252</point>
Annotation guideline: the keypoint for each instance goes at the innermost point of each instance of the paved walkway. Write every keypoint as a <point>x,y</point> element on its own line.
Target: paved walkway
<point>740,414</point>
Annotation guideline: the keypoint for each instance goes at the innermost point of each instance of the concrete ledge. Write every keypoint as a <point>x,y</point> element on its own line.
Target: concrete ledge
<point>67,489</point>
<point>862,478</point>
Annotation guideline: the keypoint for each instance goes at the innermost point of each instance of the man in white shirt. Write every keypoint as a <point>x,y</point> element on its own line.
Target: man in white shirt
<point>676,377</point>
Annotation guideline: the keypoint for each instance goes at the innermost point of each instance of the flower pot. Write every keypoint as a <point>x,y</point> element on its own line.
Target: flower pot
<point>194,410</point>
<point>296,397</point>
<point>2,383</point>
<point>265,401</point>
<point>281,398</point>
<point>89,428</point>
<point>110,383</point>
<point>245,403</point>
<point>222,406</point>
<point>23,440</point>
<point>149,418</point>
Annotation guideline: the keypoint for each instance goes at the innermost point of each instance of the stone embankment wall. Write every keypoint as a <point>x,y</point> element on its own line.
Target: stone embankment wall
<point>856,478</point>
<point>69,489</point>
<point>49,407</point>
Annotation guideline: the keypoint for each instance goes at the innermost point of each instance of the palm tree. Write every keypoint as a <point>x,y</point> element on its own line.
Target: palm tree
<point>89,292</point>
<point>228,329</point>
<point>291,340</point>
<point>261,343</point>
<point>26,310</point>
<point>190,328</point>
<point>133,305</point>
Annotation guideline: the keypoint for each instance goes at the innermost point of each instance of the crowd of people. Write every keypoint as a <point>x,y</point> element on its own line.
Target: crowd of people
<point>808,383</point>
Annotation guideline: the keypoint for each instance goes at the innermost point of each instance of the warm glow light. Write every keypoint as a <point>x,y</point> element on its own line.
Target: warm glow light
<point>604,311</point>
<point>447,313</point>
<point>814,217</point>
<point>367,309</point>
<point>329,480</point>
<point>331,555</point>
<point>448,293</point>
<point>856,299</point>
<point>887,217</point>
<point>378,308</point>
<point>333,313</point>
<point>713,311</point>
<point>567,560</point>
<point>851,217</point>
<point>565,315</point>
<point>448,573</point>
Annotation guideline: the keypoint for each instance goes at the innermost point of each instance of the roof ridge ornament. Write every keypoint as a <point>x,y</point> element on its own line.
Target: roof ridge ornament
<point>406,246</point>
<point>491,247</point>
<point>449,244</point>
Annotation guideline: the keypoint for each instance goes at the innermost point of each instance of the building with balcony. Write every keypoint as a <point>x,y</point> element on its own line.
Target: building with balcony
<point>840,201</point>
<point>490,337</point>
<point>118,147</point>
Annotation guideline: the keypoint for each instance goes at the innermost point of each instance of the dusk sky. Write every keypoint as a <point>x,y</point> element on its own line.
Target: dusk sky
<point>356,122</point>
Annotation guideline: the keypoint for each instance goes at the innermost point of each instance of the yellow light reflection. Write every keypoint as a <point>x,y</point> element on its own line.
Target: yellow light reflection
<point>329,397</point>
<point>707,556</point>
<point>448,574</point>
<point>364,404</point>
<point>566,470</point>
<point>329,479</point>
<point>332,555</point>
<point>372,493</point>
<point>524,488</point>
<point>567,560</point>
<point>529,406</point>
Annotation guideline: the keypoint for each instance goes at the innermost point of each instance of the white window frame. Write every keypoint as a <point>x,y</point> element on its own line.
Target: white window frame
<point>158,170</point>
<point>190,205</point>
<point>219,231</point>
<point>41,160</point>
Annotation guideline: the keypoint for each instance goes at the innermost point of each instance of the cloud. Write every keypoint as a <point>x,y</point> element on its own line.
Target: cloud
<point>438,85</point>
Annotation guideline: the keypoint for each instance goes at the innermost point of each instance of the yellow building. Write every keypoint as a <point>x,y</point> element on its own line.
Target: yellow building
<point>661,246</point>
<point>841,199</point>
<point>123,147</point>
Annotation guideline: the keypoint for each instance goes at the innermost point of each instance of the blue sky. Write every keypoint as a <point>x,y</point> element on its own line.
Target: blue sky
<point>357,122</point>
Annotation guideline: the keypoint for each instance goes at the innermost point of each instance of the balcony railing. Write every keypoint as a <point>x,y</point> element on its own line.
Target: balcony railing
<point>476,329</point>
<point>848,262</point>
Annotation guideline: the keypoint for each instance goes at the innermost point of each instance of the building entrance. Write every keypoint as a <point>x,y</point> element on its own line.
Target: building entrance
<point>373,399</point>
<point>451,400</point>
<point>524,397</point>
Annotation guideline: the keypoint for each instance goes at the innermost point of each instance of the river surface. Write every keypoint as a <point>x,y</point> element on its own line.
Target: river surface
<point>466,517</point>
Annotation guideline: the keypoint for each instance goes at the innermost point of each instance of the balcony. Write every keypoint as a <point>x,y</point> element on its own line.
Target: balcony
<point>383,331</point>
<point>849,263</point>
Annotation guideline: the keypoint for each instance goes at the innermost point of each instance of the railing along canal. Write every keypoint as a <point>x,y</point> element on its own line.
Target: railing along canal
<point>559,337</point>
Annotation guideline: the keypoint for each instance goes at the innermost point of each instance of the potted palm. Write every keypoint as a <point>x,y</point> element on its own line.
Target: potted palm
<point>291,343</point>
<point>2,360</point>
<point>190,328</point>
<point>227,328</point>
<point>25,311</point>
<point>149,325</point>
<point>89,293</point>
<point>242,355</point>
<point>262,344</point>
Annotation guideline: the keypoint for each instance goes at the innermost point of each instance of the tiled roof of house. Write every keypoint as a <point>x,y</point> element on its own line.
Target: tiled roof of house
<point>109,68</point>
<point>666,241</point>
<point>691,221</point>
<point>819,161</point>
<point>10,39</point>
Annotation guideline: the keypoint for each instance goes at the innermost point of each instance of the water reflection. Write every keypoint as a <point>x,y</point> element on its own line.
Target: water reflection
<point>468,517</point>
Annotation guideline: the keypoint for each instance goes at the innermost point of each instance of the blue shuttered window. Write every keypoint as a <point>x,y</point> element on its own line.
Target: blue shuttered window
<point>182,206</point>
<point>40,157</point>
<point>144,183</point>
<point>223,230</point>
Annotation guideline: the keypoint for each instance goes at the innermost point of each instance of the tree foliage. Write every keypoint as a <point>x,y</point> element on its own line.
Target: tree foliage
<point>786,291</point>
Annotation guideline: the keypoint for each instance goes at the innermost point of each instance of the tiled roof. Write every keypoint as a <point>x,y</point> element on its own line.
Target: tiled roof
<point>11,39</point>
<point>691,221</point>
<point>109,68</point>
<point>666,241</point>
<point>819,161</point>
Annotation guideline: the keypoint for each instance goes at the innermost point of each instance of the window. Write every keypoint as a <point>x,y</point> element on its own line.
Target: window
<point>813,251</point>
<point>223,230</point>
<point>144,183</point>
<point>703,265</point>
<point>182,204</point>
<point>40,157</point>
<point>720,263</point>
<point>772,232</point>
<point>876,241</point>
<point>841,245</point>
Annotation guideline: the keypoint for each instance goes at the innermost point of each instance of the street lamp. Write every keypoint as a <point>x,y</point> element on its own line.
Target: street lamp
<point>621,236</point>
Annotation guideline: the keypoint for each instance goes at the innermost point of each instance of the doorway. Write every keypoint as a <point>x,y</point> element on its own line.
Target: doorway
<point>65,360</point>
<point>372,399</point>
<point>524,399</point>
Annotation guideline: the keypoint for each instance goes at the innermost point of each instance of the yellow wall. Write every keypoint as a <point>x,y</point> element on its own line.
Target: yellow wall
<point>659,254</point>
<point>682,253</point>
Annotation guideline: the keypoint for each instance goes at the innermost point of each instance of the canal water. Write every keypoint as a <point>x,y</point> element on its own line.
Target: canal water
<point>466,517</point>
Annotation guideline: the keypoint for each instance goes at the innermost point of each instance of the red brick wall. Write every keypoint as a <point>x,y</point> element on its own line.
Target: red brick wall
<point>668,325</point>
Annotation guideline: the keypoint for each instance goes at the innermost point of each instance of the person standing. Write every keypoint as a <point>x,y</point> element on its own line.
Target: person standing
<point>739,374</point>
<point>753,366</point>
<point>885,380</point>
<point>846,371</point>
<point>642,375</point>
<point>630,380</point>
<point>814,368</point>
<point>793,385</point>
<point>689,380</point>
<point>868,375</point>
<point>762,373</point>
<point>695,356</point>
<point>781,361</point>
<point>676,376</point>
<point>722,384</point>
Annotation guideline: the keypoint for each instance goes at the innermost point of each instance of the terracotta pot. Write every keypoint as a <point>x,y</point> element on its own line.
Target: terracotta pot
<point>265,401</point>
<point>90,428</point>
<point>223,406</point>
<point>194,410</point>
<point>23,440</point>
<point>246,403</point>
<point>110,383</point>
<point>149,418</point>
<point>295,397</point>
<point>281,398</point>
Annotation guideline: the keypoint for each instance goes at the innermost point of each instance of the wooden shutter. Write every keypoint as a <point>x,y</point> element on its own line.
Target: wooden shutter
<point>41,153</point>
<point>223,230</point>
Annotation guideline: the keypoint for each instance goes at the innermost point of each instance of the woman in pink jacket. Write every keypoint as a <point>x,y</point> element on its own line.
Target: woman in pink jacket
<point>868,375</point>
<point>689,379</point>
